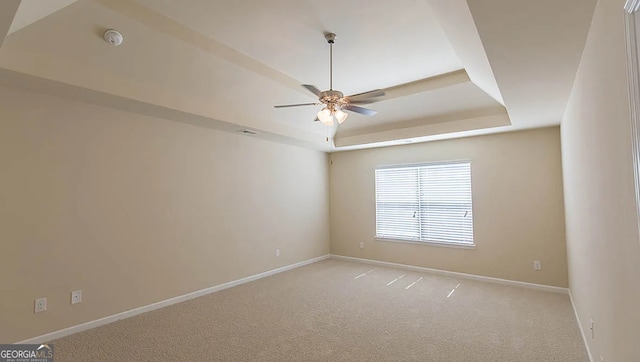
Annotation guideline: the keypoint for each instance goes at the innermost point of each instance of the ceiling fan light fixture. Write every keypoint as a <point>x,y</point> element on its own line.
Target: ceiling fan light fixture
<point>340,116</point>
<point>325,117</point>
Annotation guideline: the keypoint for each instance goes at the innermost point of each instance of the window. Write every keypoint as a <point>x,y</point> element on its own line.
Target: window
<point>425,203</point>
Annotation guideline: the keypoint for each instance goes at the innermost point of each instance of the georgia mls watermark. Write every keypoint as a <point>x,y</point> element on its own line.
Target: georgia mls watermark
<point>26,353</point>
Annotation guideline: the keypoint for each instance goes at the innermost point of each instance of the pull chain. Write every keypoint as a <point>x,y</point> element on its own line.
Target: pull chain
<point>328,133</point>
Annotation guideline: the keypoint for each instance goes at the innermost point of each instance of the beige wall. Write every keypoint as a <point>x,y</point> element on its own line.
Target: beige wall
<point>517,206</point>
<point>602,231</point>
<point>134,210</point>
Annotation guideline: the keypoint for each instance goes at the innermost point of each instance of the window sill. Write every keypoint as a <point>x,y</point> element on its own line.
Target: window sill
<point>430,243</point>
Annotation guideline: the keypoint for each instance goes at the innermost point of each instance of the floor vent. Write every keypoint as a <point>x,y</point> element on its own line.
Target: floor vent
<point>248,132</point>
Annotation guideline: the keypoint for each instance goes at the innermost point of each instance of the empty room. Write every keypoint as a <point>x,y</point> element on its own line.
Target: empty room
<point>413,180</point>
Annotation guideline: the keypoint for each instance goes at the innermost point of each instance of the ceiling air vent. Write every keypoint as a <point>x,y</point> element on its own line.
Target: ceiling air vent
<point>248,132</point>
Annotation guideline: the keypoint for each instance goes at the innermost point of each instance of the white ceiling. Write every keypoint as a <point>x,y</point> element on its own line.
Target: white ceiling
<point>536,68</point>
<point>380,43</point>
<point>456,98</point>
<point>224,64</point>
<point>8,10</point>
<point>30,11</point>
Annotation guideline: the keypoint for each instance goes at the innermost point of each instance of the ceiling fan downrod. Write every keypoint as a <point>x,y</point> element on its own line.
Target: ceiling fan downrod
<point>331,38</point>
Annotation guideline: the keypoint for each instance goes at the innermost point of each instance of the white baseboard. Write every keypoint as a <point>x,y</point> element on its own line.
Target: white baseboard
<point>546,288</point>
<point>165,303</point>
<point>584,337</point>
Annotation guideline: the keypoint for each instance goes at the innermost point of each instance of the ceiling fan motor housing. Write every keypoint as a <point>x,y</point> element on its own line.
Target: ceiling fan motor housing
<point>332,99</point>
<point>330,95</point>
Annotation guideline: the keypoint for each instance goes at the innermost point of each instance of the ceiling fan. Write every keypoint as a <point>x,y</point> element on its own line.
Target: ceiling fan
<point>335,103</point>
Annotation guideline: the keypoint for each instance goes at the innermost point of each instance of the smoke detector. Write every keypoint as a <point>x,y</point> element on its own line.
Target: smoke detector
<point>113,37</point>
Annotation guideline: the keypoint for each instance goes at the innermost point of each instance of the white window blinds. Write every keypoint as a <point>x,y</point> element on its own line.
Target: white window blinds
<point>428,202</point>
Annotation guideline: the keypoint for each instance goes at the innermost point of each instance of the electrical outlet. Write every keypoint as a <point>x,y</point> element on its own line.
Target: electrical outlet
<point>277,252</point>
<point>40,305</point>
<point>537,265</point>
<point>76,296</point>
<point>362,245</point>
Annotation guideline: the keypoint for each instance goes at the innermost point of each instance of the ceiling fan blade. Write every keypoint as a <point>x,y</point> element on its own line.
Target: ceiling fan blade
<point>365,97</point>
<point>361,110</point>
<point>365,101</point>
<point>312,89</point>
<point>296,105</point>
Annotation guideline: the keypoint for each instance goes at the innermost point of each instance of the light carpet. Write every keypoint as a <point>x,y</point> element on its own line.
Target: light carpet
<point>344,311</point>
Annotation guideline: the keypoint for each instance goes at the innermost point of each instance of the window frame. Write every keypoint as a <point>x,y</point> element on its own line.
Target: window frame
<point>449,244</point>
<point>632,32</point>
